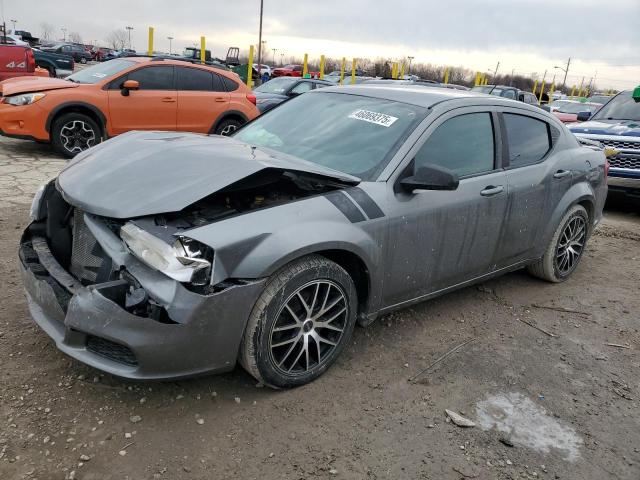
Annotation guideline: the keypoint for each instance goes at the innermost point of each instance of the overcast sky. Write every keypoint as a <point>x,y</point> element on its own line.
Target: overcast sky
<point>602,37</point>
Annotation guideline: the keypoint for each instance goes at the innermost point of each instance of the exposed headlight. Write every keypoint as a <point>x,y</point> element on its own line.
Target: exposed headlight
<point>184,261</point>
<point>24,98</point>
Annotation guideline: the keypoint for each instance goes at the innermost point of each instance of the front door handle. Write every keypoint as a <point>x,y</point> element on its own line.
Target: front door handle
<point>168,99</point>
<point>491,190</point>
<point>561,174</point>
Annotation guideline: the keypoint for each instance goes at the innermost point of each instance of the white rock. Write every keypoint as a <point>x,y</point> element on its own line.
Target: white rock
<point>200,421</point>
<point>122,453</point>
<point>459,420</point>
<point>85,458</point>
<point>135,418</point>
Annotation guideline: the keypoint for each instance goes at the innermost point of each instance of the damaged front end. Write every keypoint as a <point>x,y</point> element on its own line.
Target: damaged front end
<point>112,310</point>
<point>138,297</point>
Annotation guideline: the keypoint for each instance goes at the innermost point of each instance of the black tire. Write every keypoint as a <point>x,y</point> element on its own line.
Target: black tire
<point>52,72</point>
<point>551,266</point>
<point>83,60</point>
<point>270,323</point>
<point>63,132</point>
<point>228,126</point>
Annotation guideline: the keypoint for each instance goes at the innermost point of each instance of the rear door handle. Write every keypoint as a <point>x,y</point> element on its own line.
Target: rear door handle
<point>220,99</point>
<point>561,174</point>
<point>491,190</point>
<point>168,99</point>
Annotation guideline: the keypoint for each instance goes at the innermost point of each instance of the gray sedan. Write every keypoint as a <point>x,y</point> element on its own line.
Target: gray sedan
<point>163,255</point>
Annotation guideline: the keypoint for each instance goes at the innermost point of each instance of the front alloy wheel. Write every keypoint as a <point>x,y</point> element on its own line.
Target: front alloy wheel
<point>300,323</point>
<point>73,133</point>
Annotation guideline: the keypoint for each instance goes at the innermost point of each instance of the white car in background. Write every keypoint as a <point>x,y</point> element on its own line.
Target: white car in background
<point>264,69</point>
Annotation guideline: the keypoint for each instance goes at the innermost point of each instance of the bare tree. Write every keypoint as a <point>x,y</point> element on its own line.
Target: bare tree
<point>117,39</point>
<point>74,37</point>
<point>46,31</point>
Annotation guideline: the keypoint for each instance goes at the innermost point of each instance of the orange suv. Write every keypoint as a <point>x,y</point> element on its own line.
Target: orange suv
<point>132,93</point>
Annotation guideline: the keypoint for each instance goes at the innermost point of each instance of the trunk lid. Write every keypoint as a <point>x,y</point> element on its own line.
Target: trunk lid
<point>147,173</point>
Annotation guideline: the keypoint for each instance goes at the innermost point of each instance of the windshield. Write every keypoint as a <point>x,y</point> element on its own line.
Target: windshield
<point>349,133</point>
<point>100,71</point>
<point>277,85</point>
<point>621,107</point>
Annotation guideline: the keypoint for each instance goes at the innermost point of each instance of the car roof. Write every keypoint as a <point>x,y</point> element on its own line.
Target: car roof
<point>422,96</point>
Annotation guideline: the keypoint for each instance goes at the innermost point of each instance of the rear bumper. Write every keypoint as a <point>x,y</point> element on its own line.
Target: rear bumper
<point>25,122</point>
<point>624,180</point>
<point>92,325</point>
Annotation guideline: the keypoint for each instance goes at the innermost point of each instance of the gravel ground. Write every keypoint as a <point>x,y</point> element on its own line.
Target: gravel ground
<point>557,405</point>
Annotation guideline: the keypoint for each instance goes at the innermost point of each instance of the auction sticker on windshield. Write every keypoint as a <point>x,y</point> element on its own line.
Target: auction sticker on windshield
<point>374,117</point>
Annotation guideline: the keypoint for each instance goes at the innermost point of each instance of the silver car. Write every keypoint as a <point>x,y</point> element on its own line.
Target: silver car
<point>164,255</point>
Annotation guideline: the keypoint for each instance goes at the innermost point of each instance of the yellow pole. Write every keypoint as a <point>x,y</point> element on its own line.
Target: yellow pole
<point>477,82</point>
<point>402,70</point>
<point>354,64</point>
<point>342,67</point>
<point>446,75</point>
<point>203,50</point>
<point>541,92</point>
<point>150,49</point>
<point>553,89</point>
<point>321,67</point>
<point>535,87</point>
<point>305,66</point>
<point>250,68</point>
<point>486,79</point>
<point>394,70</point>
<point>573,90</point>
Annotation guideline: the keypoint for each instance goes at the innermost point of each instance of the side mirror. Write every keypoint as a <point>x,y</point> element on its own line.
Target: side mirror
<point>129,85</point>
<point>636,94</point>
<point>584,116</point>
<point>431,178</point>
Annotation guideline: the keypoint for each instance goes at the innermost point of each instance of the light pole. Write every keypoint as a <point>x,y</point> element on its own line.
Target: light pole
<point>281,58</point>
<point>14,25</point>
<point>409,69</point>
<point>170,39</point>
<point>274,50</point>
<point>129,32</point>
<point>64,34</point>
<point>260,38</point>
<point>565,70</point>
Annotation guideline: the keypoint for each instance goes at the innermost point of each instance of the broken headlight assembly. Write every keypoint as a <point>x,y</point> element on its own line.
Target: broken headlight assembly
<point>187,260</point>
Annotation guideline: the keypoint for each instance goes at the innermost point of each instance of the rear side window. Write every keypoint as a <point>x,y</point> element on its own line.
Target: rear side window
<point>230,85</point>
<point>153,78</point>
<point>528,138</point>
<point>463,144</point>
<point>193,79</point>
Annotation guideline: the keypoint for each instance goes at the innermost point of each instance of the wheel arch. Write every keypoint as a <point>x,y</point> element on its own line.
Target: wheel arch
<point>79,107</point>
<point>229,115</point>
<point>578,194</point>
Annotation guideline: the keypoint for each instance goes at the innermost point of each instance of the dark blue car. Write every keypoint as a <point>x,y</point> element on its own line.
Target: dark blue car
<point>281,89</point>
<point>617,125</point>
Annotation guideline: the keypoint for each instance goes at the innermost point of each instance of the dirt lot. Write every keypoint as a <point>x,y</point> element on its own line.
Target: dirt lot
<point>565,406</point>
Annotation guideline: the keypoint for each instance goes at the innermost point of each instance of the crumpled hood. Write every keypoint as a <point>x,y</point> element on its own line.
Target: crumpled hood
<point>630,128</point>
<point>28,84</point>
<point>147,173</point>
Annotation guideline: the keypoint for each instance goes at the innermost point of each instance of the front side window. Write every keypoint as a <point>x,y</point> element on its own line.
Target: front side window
<point>153,78</point>
<point>349,133</point>
<point>463,144</point>
<point>528,139</point>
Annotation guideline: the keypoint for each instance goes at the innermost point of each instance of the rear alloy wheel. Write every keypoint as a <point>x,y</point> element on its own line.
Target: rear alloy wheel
<point>83,60</point>
<point>227,127</point>
<point>300,324</point>
<point>73,133</point>
<point>566,247</point>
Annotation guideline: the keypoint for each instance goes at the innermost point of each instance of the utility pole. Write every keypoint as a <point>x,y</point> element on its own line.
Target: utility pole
<point>281,59</point>
<point>64,34</point>
<point>274,50</point>
<point>511,79</point>
<point>410,60</point>
<point>565,73</point>
<point>129,31</point>
<point>14,25</point>
<point>260,38</point>
<point>170,39</point>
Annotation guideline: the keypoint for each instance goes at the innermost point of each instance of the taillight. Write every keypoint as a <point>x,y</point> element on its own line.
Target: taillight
<point>251,97</point>
<point>31,61</point>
